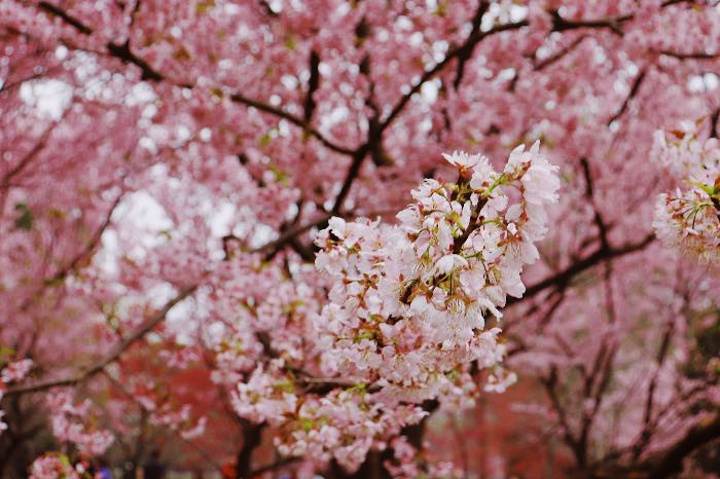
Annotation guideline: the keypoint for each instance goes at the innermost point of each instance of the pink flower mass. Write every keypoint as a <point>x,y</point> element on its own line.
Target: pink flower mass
<point>360,238</point>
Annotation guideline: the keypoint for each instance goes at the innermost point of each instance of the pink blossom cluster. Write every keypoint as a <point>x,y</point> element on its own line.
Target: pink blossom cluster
<point>16,371</point>
<point>12,372</point>
<point>71,423</point>
<point>176,419</point>
<point>407,463</point>
<point>688,219</point>
<point>253,122</point>
<point>408,304</point>
<point>406,313</point>
<point>53,466</point>
<point>343,425</point>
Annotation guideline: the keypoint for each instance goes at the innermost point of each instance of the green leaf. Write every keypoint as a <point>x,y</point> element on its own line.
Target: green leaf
<point>306,423</point>
<point>25,220</point>
<point>706,188</point>
<point>265,140</point>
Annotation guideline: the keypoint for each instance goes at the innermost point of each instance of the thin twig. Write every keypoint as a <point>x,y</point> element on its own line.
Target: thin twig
<point>112,356</point>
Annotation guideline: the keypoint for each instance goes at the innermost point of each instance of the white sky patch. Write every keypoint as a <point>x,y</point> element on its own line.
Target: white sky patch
<point>221,219</point>
<point>142,213</point>
<point>180,323</point>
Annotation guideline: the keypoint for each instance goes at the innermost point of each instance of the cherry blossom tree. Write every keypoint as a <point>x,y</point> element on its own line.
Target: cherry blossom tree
<point>256,191</point>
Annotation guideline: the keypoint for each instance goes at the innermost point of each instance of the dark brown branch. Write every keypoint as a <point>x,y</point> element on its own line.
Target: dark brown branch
<point>472,224</point>
<point>633,92</point>
<point>469,44</point>
<point>613,24</point>
<point>602,383</point>
<point>252,438</point>
<point>267,9</point>
<point>313,85</point>
<point>124,54</point>
<point>559,55</point>
<point>27,159</point>
<point>564,277</point>
<point>690,55</point>
<point>550,384</point>
<point>275,465</point>
<point>320,385</point>
<point>290,234</point>
<point>547,317</point>
<point>667,3</point>
<point>62,14</point>
<point>466,54</point>
<point>670,463</point>
<point>714,123</point>
<point>350,176</point>
<point>89,249</point>
<point>590,194</point>
<point>650,399</point>
<point>304,251</point>
<point>373,144</point>
<point>135,10</point>
<point>239,98</point>
<point>121,52</point>
<point>5,87</point>
<point>112,356</point>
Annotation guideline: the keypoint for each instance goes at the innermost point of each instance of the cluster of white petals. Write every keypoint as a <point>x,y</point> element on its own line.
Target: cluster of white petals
<point>688,219</point>
<point>407,308</point>
<point>408,304</point>
<point>404,320</point>
<point>53,466</point>
<point>70,425</point>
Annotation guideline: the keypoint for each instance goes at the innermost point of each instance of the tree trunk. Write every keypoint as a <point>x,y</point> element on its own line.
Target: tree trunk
<point>252,437</point>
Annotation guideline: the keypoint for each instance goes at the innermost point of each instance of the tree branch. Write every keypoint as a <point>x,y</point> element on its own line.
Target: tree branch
<point>472,40</point>
<point>465,54</point>
<point>290,234</point>
<point>87,251</point>
<point>590,194</point>
<point>549,384</point>
<point>564,277</point>
<point>633,92</point>
<point>122,388</point>
<point>671,461</point>
<point>472,224</point>
<point>559,55</point>
<point>67,18</point>
<point>271,467</point>
<point>714,123</point>
<point>690,55</point>
<point>650,399</point>
<point>124,54</point>
<point>239,98</point>
<point>313,85</point>
<point>113,355</point>
<point>613,24</point>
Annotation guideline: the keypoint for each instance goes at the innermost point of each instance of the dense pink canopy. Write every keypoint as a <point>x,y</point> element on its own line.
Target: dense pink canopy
<point>255,192</point>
